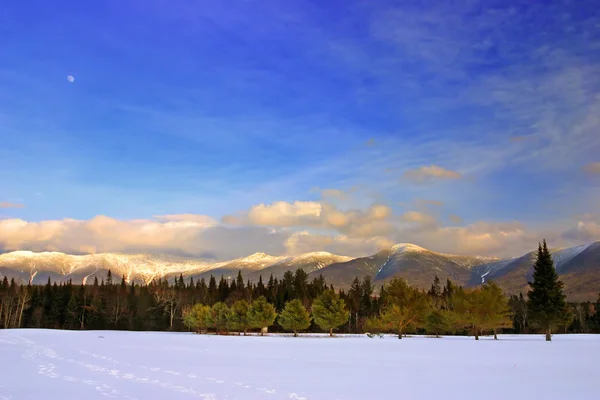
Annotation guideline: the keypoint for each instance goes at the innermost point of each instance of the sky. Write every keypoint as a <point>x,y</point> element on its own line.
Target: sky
<point>217,129</point>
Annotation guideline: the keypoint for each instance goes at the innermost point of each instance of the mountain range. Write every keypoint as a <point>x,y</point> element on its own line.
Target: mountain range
<point>578,267</point>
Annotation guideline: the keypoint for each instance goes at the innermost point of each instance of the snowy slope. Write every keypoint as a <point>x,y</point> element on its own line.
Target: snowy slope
<point>419,266</point>
<point>37,267</point>
<point>46,364</point>
<point>140,267</point>
<point>562,257</point>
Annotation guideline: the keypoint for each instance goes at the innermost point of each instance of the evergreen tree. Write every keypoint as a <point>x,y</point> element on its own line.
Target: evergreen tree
<point>73,311</point>
<point>223,289</point>
<point>240,282</point>
<point>497,309</point>
<point>518,306</point>
<point>366,302</point>
<point>354,301</point>
<point>406,306</point>
<point>196,318</point>
<point>287,287</point>
<point>271,289</point>
<point>329,311</point>
<point>217,317</point>
<point>261,314</point>
<point>260,288</point>
<point>213,291</point>
<point>301,285</point>
<point>435,293</point>
<point>436,322</point>
<point>238,317</point>
<point>294,317</point>
<point>546,301</point>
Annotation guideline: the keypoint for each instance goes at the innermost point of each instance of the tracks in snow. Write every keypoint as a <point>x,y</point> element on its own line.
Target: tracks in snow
<point>94,371</point>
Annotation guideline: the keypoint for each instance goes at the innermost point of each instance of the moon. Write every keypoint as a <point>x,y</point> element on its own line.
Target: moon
<point>71,78</point>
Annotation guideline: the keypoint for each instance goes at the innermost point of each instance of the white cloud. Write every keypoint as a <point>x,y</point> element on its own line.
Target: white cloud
<point>310,214</point>
<point>196,236</point>
<point>364,234</point>
<point>587,229</point>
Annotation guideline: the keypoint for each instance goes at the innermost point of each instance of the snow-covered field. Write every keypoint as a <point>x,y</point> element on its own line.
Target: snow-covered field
<point>46,364</point>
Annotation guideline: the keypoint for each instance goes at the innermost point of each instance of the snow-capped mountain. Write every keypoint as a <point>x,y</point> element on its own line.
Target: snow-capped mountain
<point>579,267</point>
<point>263,264</point>
<point>420,266</point>
<point>27,266</point>
<point>37,267</point>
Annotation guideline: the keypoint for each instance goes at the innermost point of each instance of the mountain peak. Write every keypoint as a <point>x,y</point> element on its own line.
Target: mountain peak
<point>402,247</point>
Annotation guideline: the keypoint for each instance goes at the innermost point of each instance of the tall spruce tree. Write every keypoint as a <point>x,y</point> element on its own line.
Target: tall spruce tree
<point>546,302</point>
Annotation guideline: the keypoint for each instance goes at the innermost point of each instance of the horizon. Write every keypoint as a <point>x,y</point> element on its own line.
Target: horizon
<point>469,129</point>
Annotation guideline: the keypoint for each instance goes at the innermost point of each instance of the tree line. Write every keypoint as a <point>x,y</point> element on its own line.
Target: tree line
<point>295,304</point>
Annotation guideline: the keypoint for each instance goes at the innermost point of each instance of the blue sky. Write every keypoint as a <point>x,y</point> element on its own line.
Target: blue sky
<point>208,108</point>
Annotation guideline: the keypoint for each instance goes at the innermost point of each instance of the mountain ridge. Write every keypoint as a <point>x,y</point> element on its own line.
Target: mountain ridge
<point>578,266</point>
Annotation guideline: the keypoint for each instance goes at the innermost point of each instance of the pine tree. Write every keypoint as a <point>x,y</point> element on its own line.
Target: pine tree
<point>436,322</point>
<point>294,317</point>
<point>74,311</point>
<point>496,307</point>
<point>435,293</point>
<point>354,300</point>
<point>546,301</point>
<point>238,317</point>
<point>212,291</point>
<point>217,317</point>
<point>329,311</point>
<point>240,282</point>
<point>271,289</point>
<point>261,314</point>
<point>406,306</point>
<point>196,317</point>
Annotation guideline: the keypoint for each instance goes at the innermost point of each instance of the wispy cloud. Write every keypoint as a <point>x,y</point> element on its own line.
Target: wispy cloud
<point>430,173</point>
<point>6,204</point>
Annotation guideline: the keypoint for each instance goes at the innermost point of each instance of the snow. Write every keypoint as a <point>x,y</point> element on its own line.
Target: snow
<point>146,267</point>
<point>561,257</point>
<point>483,277</point>
<point>493,267</point>
<point>402,247</point>
<point>142,365</point>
